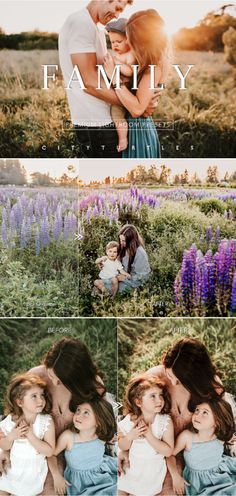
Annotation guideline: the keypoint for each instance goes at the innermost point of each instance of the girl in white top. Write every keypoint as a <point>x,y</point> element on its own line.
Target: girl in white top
<point>147,432</point>
<point>111,269</point>
<point>28,432</point>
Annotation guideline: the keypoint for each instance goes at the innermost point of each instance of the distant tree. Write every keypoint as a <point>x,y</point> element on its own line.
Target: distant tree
<point>164,175</point>
<point>107,180</point>
<point>12,172</point>
<point>176,179</point>
<point>195,179</point>
<point>39,179</point>
<point>212,175</point>
<point>184,178</point>
<point>229,40</point>
<point>207,35</point>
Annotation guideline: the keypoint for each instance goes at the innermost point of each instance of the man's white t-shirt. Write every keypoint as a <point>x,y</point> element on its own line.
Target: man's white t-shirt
<point>110,269</point>
<point>80,34</point>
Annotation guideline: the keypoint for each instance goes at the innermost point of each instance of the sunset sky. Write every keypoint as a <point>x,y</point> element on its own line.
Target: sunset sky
<point>49,15</point>
<point>55,167</point>
<point>91,171</point>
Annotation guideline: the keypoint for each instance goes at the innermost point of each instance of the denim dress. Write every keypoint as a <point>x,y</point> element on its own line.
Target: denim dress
<point>208,471</point>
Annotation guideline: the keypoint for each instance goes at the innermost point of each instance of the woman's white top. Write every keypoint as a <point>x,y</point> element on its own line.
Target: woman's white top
<point>29,468</point>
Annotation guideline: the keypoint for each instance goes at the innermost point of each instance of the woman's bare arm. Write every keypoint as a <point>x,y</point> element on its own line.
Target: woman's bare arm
<point>137,104</point>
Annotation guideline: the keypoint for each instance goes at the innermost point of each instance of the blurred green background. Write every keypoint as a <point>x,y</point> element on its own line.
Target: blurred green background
<point>23,343</point>
<point>142,342</point>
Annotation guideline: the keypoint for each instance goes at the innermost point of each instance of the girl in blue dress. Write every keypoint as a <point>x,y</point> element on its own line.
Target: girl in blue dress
<point>88,470</point>
<point>207,470</point>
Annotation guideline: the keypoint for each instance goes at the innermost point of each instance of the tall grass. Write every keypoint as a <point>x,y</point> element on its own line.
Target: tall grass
<point>142,343</point>
<point>204,115</point>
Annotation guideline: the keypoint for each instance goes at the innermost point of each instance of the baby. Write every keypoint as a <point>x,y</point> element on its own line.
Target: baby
<point>111,268</point>
<point>124,57</point>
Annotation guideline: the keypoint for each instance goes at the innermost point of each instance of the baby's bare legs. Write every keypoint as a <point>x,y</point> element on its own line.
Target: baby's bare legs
<point>99,285</point>
<point>2,493</point>
<point>118,114</point>
<point>114,286</point>
<point>122,493</point>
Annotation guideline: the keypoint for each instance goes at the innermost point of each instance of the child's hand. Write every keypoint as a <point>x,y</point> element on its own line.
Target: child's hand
<point>60,484</point>
<point>138,430</point>
<point>19,431</point>
<point>179,484</point>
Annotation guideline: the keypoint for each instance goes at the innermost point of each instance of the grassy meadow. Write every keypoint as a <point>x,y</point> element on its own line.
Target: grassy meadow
<point>30,117</point>
<point>142,342</point>
<point>180,218</point>
<point>23,343</point>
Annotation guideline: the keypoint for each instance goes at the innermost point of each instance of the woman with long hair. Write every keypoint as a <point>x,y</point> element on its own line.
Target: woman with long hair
<point>191,378</point>
<point>71,377</point>
<point>133,257</point>
<point>149,43</point>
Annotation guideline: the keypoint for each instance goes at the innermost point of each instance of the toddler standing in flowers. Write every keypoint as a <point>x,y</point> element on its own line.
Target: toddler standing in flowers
<point>111,268</point>
<point>147,432</point>
<point>28,432</point>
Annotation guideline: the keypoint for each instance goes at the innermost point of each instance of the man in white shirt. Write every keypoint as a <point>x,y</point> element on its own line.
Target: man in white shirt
<point>83,44</point>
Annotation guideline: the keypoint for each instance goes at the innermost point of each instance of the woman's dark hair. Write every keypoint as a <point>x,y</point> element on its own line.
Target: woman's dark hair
<point>17,389</point>
<point>73,365</point>
<point>133,241</point>
<point>191,364</point>
<point>104,414</point>
<point>224,419</point>
<point>136,388</point>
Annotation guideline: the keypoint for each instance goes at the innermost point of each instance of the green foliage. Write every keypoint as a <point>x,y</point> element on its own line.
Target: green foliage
<point>142,343</point>
<point>203,115</point>
<point>34,40</point>
<point>210,205</point>
<point>40,286</point>
<point>167,232</point>
<point>23,343</point>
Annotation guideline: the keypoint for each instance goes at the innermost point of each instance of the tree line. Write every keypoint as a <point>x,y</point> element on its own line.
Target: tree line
<point>12,172</point>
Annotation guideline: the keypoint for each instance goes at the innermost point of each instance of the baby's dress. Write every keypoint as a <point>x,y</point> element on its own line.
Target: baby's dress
<point>28,470</point>
<point>89,471</point>
<point>147,467</point>
<point>209,472</point>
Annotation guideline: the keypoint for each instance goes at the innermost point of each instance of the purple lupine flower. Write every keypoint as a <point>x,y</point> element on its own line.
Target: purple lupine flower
<point>37,241</point>
<point>217,236</point>
<point>233,294</point>
<point>208,234</point>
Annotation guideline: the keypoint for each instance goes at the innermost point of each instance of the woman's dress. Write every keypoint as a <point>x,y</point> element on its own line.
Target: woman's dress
<point>143,141</point>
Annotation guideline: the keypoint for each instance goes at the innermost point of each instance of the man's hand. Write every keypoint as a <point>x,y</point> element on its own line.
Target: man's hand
<point>179,484</point>
<point>109,64</point>
<point>153,104</point>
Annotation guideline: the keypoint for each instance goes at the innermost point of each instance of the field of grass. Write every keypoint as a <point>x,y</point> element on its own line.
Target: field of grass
<point>204,115</point>
<point>170,222</point>
<point>39,252</point>
<point>142,342</point>
<point>23,343</point>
